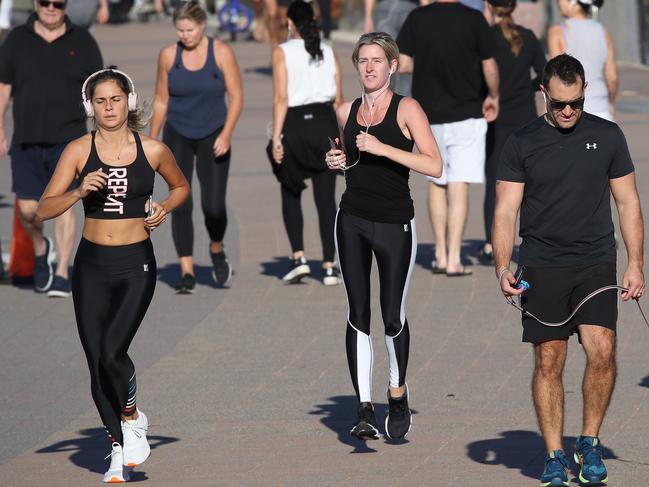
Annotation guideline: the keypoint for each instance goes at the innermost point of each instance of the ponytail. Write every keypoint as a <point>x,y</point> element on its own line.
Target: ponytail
<point>301,13</point>
<point>309,32</point>
<point>510,30</point>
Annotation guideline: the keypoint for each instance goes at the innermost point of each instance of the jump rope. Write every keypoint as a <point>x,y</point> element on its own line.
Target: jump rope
<point>520,283</point>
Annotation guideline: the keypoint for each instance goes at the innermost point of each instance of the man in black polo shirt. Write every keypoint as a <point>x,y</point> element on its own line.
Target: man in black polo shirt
<point>450,50</point>
<point>560,170</point>
<point>43,65</point>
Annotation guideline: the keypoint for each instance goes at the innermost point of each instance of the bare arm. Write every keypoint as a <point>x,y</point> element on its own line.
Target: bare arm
<point>610,71</point>
<point>492,78</point>
<point>280,101</point>
<point>56,198</point>
<point>556,41</point>
<point>103,13</point>
<point>369,21</point>
<point>406,64</point>
<point>234,89</point>
<point>5,96</point>
<point>161,97</point>
<point>627,201</point>
<point>509,197</point>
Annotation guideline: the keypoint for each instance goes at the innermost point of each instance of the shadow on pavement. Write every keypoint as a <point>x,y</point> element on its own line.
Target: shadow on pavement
<point>89,451</point>
<point>170,275</point>
<point>471,254</point>
<point>644,382</point>
<point>523,451</point>
<point>339,416</point>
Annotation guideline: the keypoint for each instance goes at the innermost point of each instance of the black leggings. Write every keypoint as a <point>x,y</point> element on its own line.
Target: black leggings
<point>112,288</point>
<point>395,246</point>
<point>324,190</point>
<point>213,179</point>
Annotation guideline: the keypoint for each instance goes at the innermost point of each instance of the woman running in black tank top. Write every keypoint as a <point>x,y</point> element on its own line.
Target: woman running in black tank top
<point>376,216</point>
<point>114,272</point>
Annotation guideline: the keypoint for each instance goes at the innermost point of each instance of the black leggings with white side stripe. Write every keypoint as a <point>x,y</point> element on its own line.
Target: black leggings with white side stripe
<point>395,246</point>
<point>112,287</point>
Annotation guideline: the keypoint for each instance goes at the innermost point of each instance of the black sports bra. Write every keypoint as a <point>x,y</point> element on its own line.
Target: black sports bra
<point>127,189</point>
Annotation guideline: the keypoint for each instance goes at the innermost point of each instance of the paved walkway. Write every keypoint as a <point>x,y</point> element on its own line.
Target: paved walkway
<point>249,386</point>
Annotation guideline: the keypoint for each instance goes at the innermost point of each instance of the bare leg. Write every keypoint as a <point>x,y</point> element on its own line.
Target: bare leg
<point>186,265</point>
<point>33,227</point>
<point>64,234</point>
<point>547,390</point>
<point>271,22</point>
<point>216,247</point>
<point>458,207</point>
<point>438,211</point>
<point>599,376</point>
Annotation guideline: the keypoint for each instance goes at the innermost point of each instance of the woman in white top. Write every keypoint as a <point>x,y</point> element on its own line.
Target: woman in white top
<point>588,40</point>
<point>307,87</point>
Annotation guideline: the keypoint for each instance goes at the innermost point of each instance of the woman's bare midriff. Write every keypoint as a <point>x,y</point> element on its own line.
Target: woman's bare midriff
<point>115,232</point>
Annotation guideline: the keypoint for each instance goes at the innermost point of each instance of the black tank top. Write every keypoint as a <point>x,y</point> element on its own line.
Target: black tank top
<point>127,189</point>
<point>377,187</point>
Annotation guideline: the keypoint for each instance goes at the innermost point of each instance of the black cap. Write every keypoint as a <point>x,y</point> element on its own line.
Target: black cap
<point>502,3</point>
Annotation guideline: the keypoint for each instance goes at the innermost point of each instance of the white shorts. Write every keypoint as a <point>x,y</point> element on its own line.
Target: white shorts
<point>462,147</point>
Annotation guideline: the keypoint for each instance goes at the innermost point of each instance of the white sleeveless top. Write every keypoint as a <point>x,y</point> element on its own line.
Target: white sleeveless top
<point>309,81</point>
<point>586,40</point>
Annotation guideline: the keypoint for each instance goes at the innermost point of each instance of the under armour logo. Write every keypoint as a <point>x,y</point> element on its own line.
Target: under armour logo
<point>591,146</point>
<point>146,267</point>
<point>405,227</point>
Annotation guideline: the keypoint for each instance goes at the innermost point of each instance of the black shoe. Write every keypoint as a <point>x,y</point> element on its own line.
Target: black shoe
<point>222,272</point>
<point>331,276</point>
<point>60,288</point>
<point>365,428</point>
<point>186,284</point>
<point>399,420</point>
<point>43,268</point>
<point>486,257</point>
<point>299,269</point>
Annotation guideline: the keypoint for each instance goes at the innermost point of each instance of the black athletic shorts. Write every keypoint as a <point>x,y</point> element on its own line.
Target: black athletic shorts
<point>556,291</point>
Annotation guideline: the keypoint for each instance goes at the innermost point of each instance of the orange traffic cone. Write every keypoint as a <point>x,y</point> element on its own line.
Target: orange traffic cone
<point>21,265</point>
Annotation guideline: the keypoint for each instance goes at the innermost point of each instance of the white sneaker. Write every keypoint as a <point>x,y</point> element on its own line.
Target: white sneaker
<point>299,269</point>
<point>116,473</point>
<point>136,446</point>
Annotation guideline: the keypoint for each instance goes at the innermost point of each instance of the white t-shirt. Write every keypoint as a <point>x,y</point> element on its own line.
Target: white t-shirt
<point>309,81</point>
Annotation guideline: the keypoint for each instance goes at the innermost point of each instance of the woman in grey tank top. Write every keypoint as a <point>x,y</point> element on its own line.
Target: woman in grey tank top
<point>588,40</point>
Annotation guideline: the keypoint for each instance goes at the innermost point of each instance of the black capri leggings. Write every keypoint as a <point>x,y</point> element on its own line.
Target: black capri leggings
<point>112,287</point>
<point>395,248</point>
<point>213,179</point>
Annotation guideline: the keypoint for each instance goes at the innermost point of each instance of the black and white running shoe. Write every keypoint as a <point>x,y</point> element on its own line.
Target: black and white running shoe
<point>186,284</point>
<point>331,276</point>
<point>44,268</point>
<point>221,270</point>
<point>399,420</point>
<point>365,428</point>
<point>299,270</point>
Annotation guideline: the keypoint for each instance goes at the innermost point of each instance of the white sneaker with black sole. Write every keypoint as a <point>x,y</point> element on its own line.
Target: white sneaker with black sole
<point>136,446</point>
<point>44,268</point>
<point>117,473</point>
<point>299,270</point>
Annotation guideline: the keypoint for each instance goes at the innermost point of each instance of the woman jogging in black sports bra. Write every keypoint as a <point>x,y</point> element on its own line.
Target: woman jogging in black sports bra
<point>114,271</point>
<point>376,216</point>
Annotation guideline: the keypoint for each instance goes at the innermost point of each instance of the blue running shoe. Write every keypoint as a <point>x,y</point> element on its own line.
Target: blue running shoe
<point>588,455</point>
<point>556,470</point>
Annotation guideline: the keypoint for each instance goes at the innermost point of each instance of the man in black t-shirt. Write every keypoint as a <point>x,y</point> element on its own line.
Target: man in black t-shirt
<point>560,171</point>
<point>450,50</point>
<point>43,65</point>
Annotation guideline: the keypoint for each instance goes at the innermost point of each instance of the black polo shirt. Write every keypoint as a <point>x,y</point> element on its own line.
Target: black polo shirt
<point>566,209</point>
<point>46,80</point>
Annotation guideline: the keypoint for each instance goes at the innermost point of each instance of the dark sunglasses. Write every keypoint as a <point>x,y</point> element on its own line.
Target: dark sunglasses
<point>558,105</point>
<point>47,3</point>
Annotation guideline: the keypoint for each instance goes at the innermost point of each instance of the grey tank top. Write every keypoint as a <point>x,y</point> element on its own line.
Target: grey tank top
<point>196,98</point>
<point>586,40</point>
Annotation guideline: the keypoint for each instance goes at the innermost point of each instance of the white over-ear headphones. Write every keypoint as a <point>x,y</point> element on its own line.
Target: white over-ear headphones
<point>132,96</point>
